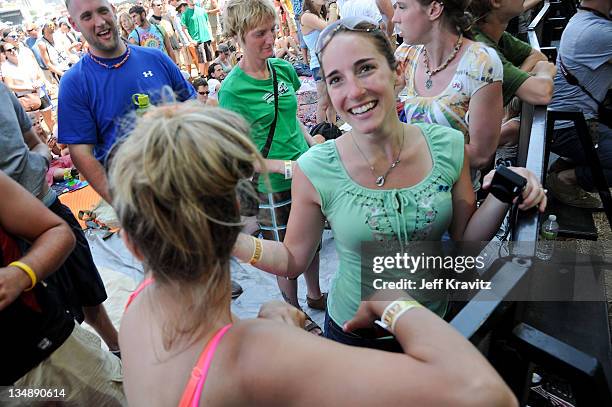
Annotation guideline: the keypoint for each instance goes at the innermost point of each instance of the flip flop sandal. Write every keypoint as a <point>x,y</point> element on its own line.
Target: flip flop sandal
<point>320,303</point>
<point>310,326</point>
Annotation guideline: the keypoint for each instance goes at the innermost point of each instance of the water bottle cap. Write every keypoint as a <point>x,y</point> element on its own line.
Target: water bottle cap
<point>552,217</point>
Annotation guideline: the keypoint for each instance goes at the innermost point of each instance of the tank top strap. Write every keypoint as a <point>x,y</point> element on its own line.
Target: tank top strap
<point>193,390</point>
<point>145,283</point>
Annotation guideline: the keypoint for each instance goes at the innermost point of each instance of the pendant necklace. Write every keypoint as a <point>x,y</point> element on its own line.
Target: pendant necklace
<point>429,72</point>
<point>380,180</point>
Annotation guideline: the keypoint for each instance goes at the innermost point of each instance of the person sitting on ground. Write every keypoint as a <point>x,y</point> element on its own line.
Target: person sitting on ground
<point>40,350</point>
<point>449,75</point>
<point>527,72</point>
<point>215,77</point>
<point>201,86</point>
<point>384,181</point>
<point>183,303</point>
<point>26,78</point>
<point>224,58</point>
<point>586,52</point>
<point>61,167</point>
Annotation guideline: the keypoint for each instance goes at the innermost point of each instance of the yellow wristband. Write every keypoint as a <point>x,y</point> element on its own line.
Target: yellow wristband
<point>28,270</point>
<point>395,310</point>
<point>257,251</point>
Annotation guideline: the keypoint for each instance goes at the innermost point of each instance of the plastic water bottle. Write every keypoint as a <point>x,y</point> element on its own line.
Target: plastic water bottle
<point>548,234</point>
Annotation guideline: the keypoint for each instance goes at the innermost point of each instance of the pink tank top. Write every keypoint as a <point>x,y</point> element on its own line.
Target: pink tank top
<point>195,385</point>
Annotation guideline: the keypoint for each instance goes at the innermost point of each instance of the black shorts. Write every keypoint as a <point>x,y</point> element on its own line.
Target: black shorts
<point>204,52</point>
<point>45,103</point>
<point>77,283</point>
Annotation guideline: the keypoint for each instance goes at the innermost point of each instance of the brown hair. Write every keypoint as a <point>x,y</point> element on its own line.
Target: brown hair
<point>174,184</point>
<point>309,6</point>
<point>454,13</point>
<point>376,35</point>
<point>480,9</point>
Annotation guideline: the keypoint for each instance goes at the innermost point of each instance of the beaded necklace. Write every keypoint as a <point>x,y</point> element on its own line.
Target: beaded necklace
<point>432,72</point>
<point>114,66</point>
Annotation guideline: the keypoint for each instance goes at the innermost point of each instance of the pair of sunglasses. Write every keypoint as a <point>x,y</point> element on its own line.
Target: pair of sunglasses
<point>355,24</point>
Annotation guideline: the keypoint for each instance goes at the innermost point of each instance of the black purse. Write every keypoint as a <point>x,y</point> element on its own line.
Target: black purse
<point>604,108</point>
<point>249,205</point>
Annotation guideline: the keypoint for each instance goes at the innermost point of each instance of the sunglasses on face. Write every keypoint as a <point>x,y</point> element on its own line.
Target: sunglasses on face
<point>11,51</point>
<point>203,93</point>
<point>239,58</point>
<point>355,24</point>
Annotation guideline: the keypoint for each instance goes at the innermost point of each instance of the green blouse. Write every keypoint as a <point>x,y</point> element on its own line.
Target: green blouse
<point>357,214</point>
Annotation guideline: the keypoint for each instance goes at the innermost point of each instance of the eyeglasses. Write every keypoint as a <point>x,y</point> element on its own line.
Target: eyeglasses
<point>13,36</point>
<point>356,23</point>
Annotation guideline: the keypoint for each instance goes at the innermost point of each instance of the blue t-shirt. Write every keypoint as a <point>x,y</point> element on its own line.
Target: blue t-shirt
<point>32,44</point>
<point>586,50</point>
<point>93,99</point>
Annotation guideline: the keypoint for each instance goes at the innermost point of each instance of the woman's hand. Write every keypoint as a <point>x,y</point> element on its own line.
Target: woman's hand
<point>282,312</point>
<point>533,194</point>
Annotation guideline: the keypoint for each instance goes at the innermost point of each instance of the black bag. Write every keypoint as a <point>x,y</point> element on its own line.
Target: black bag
<point>249,206</point>
<point>327,130</point>
<point>604,108</point>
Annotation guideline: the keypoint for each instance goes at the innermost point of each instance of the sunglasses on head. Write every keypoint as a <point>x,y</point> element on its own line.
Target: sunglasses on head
<point>355,24</point>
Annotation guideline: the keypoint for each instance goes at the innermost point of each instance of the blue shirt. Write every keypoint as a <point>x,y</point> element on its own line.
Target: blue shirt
<point>94,99</point>
<point>32,44</point>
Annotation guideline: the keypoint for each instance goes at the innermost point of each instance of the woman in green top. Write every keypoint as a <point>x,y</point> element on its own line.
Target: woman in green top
<point>384,181</point>
<point>249,91</point>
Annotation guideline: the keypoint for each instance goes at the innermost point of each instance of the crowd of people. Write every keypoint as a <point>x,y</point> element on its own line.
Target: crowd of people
<point>183,116</point>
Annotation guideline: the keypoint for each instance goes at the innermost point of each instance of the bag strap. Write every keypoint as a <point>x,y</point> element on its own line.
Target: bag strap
<point>266,148</point>
<point>572,80</point>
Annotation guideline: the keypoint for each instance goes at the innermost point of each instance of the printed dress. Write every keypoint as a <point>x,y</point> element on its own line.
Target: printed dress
<point>478,67</point>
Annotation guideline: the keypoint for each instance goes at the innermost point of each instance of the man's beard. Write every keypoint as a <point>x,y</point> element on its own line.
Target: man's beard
<point>110,46</point>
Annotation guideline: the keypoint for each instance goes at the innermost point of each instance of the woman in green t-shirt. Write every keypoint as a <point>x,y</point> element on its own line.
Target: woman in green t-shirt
<point>385,181</point>
<point>249,91</point>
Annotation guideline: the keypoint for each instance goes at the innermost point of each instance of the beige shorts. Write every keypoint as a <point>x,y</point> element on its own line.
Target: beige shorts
<point>85,373</point>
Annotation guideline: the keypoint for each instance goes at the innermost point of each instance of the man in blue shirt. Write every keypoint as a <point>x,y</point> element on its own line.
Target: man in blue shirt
<point>32,32</point>
<point>98,91</point>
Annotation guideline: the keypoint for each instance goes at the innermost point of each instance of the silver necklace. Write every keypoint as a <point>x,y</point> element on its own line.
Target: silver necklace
<point>432,72</point>
<point>380,180</point>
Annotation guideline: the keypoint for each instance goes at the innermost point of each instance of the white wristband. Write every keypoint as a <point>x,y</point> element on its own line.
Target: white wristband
<point>288,169</point>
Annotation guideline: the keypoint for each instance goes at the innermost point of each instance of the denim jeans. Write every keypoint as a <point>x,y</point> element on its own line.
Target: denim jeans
<point>334,332</point>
